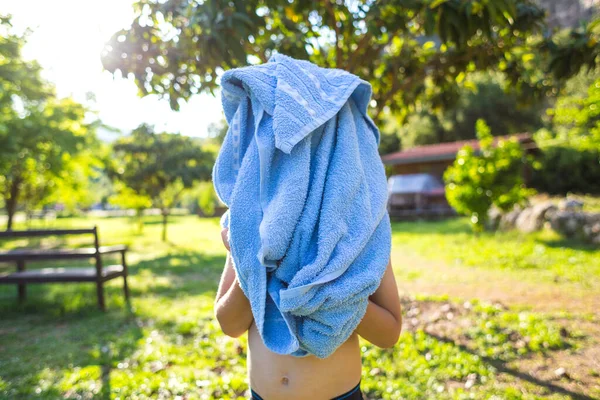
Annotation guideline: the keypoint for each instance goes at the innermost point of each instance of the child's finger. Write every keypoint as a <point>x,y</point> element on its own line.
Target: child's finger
<point>224,232</point>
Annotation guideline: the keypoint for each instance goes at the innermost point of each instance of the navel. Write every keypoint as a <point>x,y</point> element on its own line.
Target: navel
<point>285,380</point>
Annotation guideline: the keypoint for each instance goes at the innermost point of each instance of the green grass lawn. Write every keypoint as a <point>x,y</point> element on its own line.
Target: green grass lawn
<point>168,344</point>
<point>541,256</point>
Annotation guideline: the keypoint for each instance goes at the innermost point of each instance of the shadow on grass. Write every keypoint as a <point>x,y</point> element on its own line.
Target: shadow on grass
<point>575,244</point>
<point>183,273</point>
<point>60,329</point>
<point>503,368</point>
<point>75,346</point>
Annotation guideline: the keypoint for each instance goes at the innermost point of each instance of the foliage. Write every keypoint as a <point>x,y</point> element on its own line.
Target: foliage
<point>484,98</point>
<point>412,52</point>
<point>574,50</point>
<point>421,128</point>
<point>571,147</point>
<point>562,169</point>
<point>577,119</point>
<point>20,79</point>
<point>170,345</point>
<point>207,199</point>
<point>129,199</point>
<point>389,142</point>
<point>503,112</point>
<point>46,155</point>
<point>46,143</point>
<point>491,176</point>
<point>160,166</point>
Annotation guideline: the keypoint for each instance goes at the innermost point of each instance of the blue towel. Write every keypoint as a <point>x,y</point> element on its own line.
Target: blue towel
<point>306,190</point>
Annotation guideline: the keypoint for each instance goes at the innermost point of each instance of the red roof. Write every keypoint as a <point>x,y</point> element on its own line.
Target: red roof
<point>444,151</point>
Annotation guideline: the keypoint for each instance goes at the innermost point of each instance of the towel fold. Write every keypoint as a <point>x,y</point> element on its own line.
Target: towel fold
<point>306,190</point>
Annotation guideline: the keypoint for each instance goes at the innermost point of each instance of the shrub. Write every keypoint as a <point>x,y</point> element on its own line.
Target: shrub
<point>570,160</point>
<point>207,199</point>
<point>493,175</point>
<point>561,170</point>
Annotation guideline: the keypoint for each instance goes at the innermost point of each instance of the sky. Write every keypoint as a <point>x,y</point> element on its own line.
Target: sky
<point>67,39</point>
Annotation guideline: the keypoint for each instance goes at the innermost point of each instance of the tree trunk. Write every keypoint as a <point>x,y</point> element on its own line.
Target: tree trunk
<point>139,216</point>
<point>10,212</point>
<point>165,214</point>
<point>11,203</point>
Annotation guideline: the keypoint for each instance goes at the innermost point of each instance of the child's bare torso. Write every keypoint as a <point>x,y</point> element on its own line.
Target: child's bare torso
<point>275,376</point>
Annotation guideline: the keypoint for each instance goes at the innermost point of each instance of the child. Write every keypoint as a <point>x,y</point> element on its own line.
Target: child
<point>285,377</point>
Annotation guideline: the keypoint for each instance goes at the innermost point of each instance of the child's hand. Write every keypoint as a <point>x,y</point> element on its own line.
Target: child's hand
<point>224,232</point>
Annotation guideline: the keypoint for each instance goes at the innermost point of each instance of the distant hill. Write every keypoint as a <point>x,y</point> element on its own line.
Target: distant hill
<point>569,13</point>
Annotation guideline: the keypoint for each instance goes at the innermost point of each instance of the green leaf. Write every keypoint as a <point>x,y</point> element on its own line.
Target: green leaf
<point>437,3</point>
<point>428,45</point>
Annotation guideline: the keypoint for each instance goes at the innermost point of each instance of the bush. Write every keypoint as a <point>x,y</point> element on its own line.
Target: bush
<point>491,176</point>
<point>207,199</point>
<point>570,160</point>
<point>562,170</point>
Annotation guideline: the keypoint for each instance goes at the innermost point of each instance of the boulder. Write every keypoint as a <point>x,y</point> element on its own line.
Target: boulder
<point>494,218</point>
<point>533,218</point>
<point>568,223</point>
<point>570,205</point>
<point>524,221</point>
<point>509,219</point>
<point>591,228</point>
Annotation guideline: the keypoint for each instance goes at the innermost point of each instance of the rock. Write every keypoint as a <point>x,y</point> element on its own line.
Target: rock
<point>523,221</point>
<point>567,223</point>
<point>509,219</point>
<point>591,228</point>
<point>570,205</point>
<point>577,224</point>
<point>532,219</point>
<point>494,218</point>
<point>562,373</point>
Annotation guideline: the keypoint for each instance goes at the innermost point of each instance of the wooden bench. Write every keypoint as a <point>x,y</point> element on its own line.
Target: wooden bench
<point>97,274</point>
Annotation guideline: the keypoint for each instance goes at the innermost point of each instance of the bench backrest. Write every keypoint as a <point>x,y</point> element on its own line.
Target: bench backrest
<point>51,232</point>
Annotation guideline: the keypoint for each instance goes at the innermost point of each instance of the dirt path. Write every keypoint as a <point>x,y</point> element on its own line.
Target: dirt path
<point>416,275</point>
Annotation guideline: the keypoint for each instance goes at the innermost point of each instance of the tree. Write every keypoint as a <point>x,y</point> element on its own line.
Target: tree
<point>41,136</point>
<point>160,166</point>
<point>412,52</point>
<point>39,153</point>
<point>576,119</point>
<point>484,98</point>
<point>20,79</point>
<point>492,176</point>
<point>571,147</point>
<point>129,199</point>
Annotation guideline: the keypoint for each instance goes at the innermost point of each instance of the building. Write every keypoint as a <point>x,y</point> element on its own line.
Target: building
<point>435,158</point>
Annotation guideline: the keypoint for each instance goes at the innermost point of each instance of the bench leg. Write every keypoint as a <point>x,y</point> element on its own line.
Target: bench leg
<point>125,285</point>
<point>21,286</point>
<point>125,288</point>
<point>100,294</point>
<point>22,292</point>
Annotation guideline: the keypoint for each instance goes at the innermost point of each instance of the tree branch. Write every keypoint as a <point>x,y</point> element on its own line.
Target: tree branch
<point>362,43</point>
<point>338,49</point>
<point>435,63</point>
